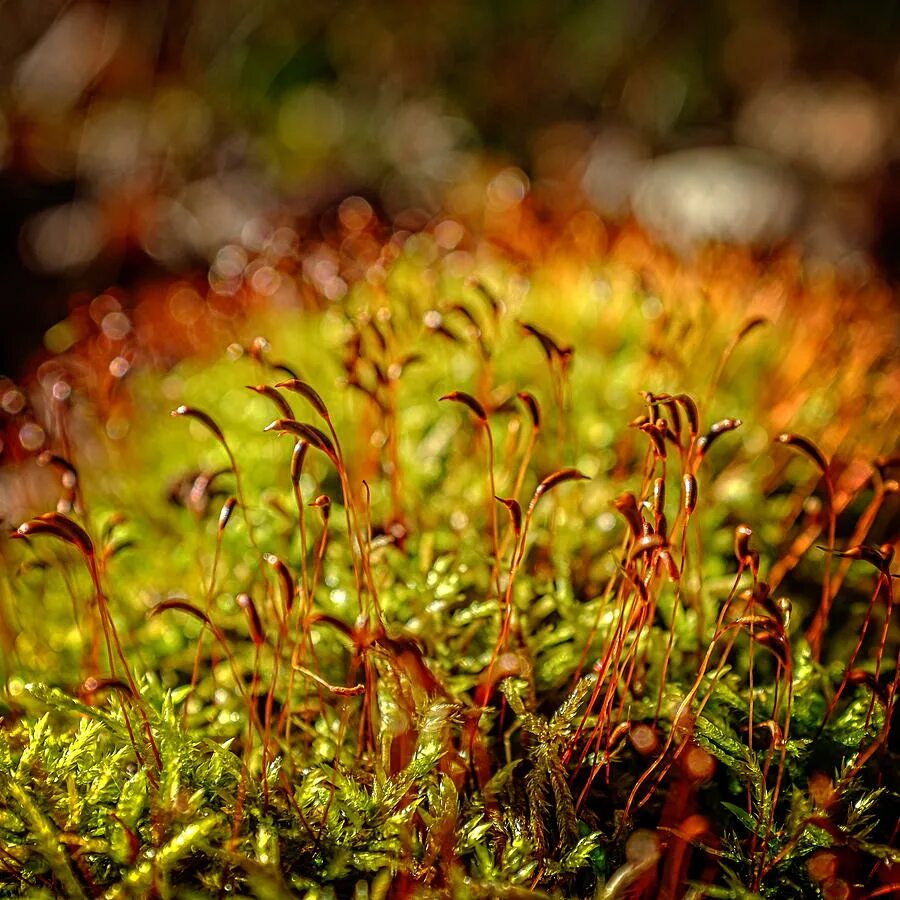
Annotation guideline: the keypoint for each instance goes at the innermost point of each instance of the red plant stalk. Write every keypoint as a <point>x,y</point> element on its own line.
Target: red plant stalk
<point>686,703</point>
<point>65,529</point>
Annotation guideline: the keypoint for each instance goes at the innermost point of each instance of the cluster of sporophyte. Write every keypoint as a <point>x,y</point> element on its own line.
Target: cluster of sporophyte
<point>487,578</point>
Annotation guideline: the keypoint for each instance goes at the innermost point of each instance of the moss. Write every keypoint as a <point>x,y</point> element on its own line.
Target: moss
<point>369,677</point>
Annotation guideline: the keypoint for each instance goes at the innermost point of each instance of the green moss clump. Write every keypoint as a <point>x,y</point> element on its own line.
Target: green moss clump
<point>319,658</point>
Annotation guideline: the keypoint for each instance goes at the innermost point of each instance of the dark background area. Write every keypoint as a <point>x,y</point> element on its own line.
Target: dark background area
<point>137,138</point>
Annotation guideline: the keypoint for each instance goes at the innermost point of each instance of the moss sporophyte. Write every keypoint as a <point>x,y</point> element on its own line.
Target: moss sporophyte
<point>615,619</point>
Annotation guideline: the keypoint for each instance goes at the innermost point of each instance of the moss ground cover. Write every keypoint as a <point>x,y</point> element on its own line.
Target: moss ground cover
<point>499,567</point>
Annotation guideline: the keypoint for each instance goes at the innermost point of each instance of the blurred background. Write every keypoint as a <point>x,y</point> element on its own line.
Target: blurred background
<point>137,139</point>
